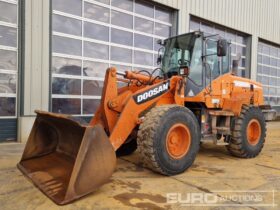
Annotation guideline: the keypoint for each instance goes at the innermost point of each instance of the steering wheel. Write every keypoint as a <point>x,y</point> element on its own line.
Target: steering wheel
<point>183,62</point>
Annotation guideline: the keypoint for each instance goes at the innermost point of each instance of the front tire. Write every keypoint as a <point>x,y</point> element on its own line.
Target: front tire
<point>168,139</point>
<point>249,133</point>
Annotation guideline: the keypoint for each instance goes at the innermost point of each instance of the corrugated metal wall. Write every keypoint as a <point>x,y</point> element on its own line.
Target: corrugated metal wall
<point>36,68</point>
<point>183,15</point>
<point>258,17</point>
<point>36,71</point>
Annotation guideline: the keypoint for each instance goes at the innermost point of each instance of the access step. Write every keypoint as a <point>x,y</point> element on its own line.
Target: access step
<point>216,127</point>
<point>223,129</point>
<point>221,113</point>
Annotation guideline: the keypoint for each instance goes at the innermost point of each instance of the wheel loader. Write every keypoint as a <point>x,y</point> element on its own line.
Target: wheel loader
<point>194,96</point>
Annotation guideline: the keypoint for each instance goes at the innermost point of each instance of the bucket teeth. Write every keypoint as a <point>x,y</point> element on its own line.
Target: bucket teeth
<point>54,186</point>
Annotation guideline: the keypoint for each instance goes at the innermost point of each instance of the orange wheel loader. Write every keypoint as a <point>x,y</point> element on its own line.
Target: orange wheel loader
<point>194,96</point>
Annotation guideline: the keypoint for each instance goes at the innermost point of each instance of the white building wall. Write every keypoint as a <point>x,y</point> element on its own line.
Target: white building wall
<point>35,72</point>
<point>258,18</point>
<point>36,52</point>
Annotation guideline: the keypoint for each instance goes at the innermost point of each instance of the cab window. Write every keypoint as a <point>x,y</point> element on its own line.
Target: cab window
<point>196,63</point>
<point>213,60</point>
<point>225,63</point>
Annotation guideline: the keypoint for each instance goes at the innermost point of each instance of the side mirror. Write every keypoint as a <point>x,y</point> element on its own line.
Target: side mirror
<point>234,70</point>
<point>161,42</point>
<point>160,53</point>
<point>222,47</point>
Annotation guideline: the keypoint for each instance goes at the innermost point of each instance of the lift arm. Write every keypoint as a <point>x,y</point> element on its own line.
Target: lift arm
<point>120,109</point>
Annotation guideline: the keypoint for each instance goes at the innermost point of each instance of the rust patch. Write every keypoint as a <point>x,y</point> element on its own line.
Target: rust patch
<point>219,157</point>
<point>213,171</point>
<point>132,168</point>
<point>127,198</point>
<point>195,186</point>
<point>194,166</point>
<point>198,170</point>
<point>209,170</point>
<point>131,186</point>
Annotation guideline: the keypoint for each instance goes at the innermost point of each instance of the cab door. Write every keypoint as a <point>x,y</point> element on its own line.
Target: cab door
<point>194,83</point>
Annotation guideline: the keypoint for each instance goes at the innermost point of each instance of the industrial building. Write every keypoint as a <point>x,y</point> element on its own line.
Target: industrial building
<point>54,53</point>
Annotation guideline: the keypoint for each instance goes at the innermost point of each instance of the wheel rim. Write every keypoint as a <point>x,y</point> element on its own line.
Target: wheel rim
<point>178,140</point>
<point>253,132</point>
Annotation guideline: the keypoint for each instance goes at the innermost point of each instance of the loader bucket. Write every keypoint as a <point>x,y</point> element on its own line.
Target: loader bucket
<point>65,159</point>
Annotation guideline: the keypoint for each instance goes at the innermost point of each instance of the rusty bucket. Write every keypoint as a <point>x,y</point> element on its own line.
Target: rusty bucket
<point>65,159</point>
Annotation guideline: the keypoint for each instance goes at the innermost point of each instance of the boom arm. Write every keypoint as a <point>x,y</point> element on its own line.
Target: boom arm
<point>120,109</point>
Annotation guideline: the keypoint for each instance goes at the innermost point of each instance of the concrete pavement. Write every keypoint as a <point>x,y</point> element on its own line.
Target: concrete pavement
<point>134,187</point>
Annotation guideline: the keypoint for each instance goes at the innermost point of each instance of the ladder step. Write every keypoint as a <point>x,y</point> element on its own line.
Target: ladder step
<point>223,128</point>
<point>221,113</point>
<point>222,143</point>
<point>212,139</point>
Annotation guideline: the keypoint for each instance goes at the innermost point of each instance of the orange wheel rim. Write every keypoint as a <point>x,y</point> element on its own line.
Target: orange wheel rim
<point>178,140</point>
<point>254,132</point>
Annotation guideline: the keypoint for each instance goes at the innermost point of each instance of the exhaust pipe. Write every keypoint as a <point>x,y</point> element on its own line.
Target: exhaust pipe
<point>65,159</point>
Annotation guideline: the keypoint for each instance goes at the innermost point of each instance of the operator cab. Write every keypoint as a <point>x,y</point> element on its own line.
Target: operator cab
<point>199,57</point>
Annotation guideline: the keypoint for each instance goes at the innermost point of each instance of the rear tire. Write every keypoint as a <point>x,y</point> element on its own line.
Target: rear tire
<point>249,133</point>
<point>168,139</point>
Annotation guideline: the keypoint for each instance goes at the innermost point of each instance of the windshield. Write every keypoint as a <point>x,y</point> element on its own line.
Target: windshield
<point>178,52</point>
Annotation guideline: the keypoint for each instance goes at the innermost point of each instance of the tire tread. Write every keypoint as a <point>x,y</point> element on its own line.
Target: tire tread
<point>236,147</point>
<point>145,137</point>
